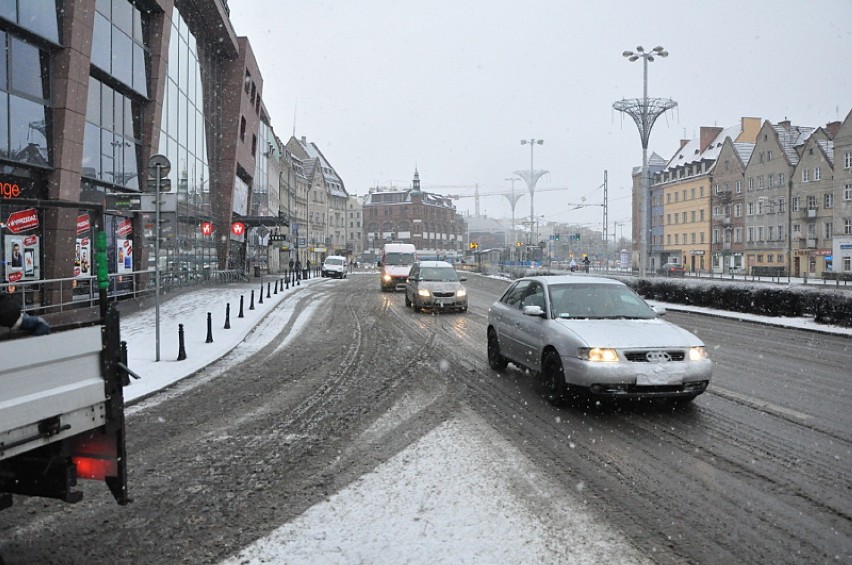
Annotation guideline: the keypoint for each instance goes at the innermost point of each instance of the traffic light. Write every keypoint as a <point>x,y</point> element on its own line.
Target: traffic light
<point>556,237</point>
<point>473,245</point>
<point>517,244</point>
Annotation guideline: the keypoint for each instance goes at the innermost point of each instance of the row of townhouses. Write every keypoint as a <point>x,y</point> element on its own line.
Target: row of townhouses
<point>757,197</point>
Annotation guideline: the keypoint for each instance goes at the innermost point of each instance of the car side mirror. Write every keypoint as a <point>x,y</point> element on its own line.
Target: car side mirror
<point>660,310</point>
<point>533,310</point>
<point>462,279</point>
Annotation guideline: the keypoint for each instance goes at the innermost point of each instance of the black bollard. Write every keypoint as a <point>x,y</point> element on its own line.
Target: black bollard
<point>251,302</point>
<point>276,287</point>
<point>241,307</point>
<point>228,316</point>
<point>181,347</point>
<point>260,300</point>
<point>209,328</point>
<point>268,284</point>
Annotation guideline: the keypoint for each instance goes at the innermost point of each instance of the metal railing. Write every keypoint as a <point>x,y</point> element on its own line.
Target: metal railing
<point>51,296</point>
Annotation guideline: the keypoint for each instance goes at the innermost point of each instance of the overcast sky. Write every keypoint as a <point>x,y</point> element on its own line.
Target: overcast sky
<point>452,86</point>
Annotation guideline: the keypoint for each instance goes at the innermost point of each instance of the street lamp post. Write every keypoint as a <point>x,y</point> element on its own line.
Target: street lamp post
<point>513,199</point>
<point>644,112</point>
<point>531,177</point>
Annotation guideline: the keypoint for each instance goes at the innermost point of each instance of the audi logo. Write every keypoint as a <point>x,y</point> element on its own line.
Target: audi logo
<point>658,357</point>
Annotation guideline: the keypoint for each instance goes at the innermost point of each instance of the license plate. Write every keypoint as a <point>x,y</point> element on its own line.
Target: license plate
<point>659,378</point>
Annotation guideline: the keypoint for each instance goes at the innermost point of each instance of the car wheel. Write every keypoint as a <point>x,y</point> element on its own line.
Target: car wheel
<point>495,359</point>
<point>553,378</point>
<point>407,301</point>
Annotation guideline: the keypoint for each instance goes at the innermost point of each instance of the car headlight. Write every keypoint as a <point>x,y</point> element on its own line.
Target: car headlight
<point>461,293</point>
<point>423,292</point>
<point>386,277</point>
<point>598,354</point>
<point>697,353</point>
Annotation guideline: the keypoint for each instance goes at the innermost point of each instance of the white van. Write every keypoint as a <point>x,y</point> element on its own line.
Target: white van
<point>397,259</point>
<point>334,266</point>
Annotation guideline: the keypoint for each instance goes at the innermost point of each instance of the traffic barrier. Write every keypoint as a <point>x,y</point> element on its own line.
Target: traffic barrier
<point>209,328</point>
<point>181,346</point>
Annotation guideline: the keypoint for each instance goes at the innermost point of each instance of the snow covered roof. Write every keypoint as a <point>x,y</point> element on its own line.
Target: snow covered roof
<point>692,152</point>
<point>789,137</point>
<point>744,150</point>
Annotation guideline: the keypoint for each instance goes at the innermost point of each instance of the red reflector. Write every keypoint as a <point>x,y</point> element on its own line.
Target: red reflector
<point>95,469</point>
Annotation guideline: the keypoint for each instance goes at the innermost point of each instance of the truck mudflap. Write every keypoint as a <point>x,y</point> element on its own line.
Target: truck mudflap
<point>52,470</point>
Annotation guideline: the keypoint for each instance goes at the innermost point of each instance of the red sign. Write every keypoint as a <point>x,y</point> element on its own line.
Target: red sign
<point>15,276</point>
<point>238,228</point>
<point>30,240</point>
<point>124,228</point>
<point>83,223</point>
<point>206,228</point>
<point>22,221</point>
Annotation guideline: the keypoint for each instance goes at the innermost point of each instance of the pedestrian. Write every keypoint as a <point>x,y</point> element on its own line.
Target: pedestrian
<point>291,263</point>
<point>586,263</point>
<point>12,315</point>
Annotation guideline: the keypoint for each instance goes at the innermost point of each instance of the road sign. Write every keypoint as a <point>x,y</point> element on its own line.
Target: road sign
<point>124,202</point>
<point>206,228</point>
<point>159,164</point>
<point>165,185</point>
<point>168,202</point>
<point>238,228</point>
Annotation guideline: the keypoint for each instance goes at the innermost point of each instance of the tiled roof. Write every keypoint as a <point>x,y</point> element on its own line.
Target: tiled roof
<point>791,137</point>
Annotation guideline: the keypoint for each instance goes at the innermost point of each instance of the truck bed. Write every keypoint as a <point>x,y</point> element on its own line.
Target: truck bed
<point>60,395</point>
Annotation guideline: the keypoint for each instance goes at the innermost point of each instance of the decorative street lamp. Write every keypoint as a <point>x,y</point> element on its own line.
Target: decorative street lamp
<point>644,112</point>
<point>531,177</point>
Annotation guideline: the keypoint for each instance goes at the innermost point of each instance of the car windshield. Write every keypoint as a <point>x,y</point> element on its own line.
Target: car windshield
<point>399,259</point>
<point>438,274</point>
<point>597,301</point>
<point>334,261</point>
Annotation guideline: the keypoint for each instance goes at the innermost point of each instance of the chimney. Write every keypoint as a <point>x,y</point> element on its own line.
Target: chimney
<point>832,128</point>
<point>785,124</point>
<point>708,134</point>
<point>304,140</point>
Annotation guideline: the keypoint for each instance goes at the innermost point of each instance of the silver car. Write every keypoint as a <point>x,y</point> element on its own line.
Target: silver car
<point>594,335</point>
<point>435,285</point>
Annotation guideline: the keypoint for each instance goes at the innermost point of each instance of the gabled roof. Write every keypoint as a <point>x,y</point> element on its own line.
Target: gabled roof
<point>744,150</point>
<point>692,152</point>
<point>790,137</point>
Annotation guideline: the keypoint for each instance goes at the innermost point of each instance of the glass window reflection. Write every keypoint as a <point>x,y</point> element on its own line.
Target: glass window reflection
<point>92,151</point>
<point>27,131</point>
<point>40,17</point>
<point>102,43</point>
<point>27,69</point>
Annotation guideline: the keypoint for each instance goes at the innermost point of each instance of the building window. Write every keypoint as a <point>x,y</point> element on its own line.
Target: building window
<point>751,184</point>
<point>738,235</point>
<point>24,101</point>
<point>804,175</point>
<point>715,236</point>
<point>118,46</point>
<point>750,235</point>
<point>829,228</point>
<point>761,182</point>
<point>811,199</point>
<point>781,205</point>
<point>750,209</point>
<point>828,200</point>
<point>738,210</point>
<point>847,192</point>
<point>847,226</point>
<point>242,128</point>
<point>769,155</point>
<point>847,160</point>
<point>739,188</point>
<point>796,204</point>
<point>760,233</point>
<point>112,136</point>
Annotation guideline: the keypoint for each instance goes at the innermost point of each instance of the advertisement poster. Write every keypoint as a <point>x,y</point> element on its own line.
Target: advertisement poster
<point>124,256</point>
<point>22,257</point>
<point>83,258</point>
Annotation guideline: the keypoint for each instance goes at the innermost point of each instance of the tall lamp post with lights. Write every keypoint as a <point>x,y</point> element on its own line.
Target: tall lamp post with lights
<point>644,112</point>
<point>531,177</point>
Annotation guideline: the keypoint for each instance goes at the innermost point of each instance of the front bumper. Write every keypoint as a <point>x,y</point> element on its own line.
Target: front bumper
<point>640,379</point>
<point>442,302</point>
